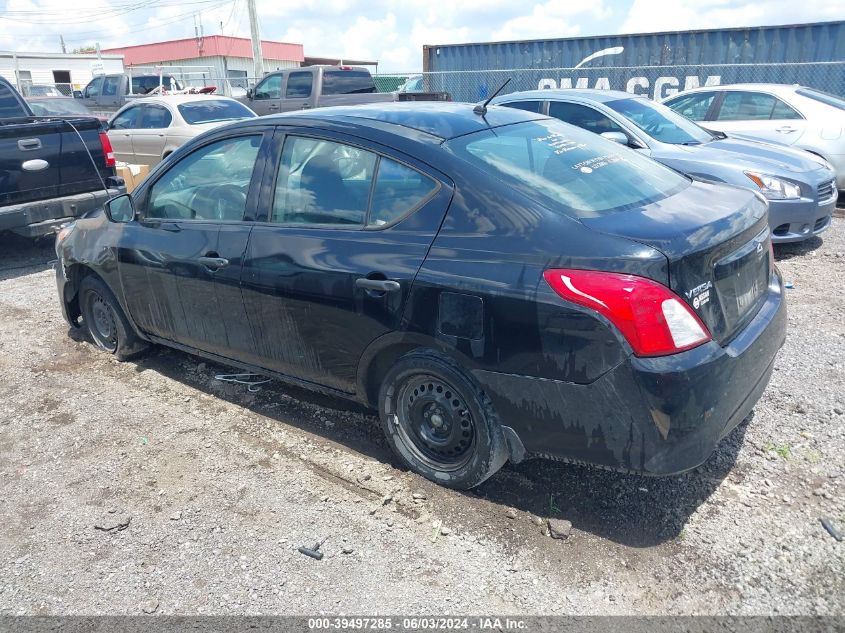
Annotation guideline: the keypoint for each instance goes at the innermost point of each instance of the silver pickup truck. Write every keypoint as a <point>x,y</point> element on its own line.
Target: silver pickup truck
<point>322,86</point>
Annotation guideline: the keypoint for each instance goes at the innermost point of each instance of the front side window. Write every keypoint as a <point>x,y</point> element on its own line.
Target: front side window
<point>93,88</point>
<point>209,184</point>
<point>299,86</point>
<point>270,88</point>
<point>565,167</point>
<point>659,122</point>
<point>322,182</point>
<point>583,116</point>
<point>155,117</point>
<point>693,106</point>
<point>129,119</point>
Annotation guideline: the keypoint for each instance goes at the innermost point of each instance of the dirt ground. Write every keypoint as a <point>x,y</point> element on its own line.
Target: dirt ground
<point>151,487</point>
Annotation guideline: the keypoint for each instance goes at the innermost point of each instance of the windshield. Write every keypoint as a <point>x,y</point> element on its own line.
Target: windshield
<point>586,174</point>
<point>823,97</point>
<point>46,107</point>
<point>660,123</point>
<point>213,110</point>
<point>347,82</point>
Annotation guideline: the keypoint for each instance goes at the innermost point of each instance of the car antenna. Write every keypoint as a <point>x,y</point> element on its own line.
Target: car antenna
<point>481,110</point>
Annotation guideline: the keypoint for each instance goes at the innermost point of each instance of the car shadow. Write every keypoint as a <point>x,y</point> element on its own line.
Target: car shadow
<point>629,509</point>
<point>797,249</point>
<point>21,256</point>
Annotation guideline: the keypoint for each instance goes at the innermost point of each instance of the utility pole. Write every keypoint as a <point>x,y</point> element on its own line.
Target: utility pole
<point>257,56</point>
<point>62,40</point>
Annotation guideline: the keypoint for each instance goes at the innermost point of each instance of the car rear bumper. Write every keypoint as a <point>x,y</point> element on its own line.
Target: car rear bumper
<point>657,416</point>
<point>34,219</point>
<point>796,220</point>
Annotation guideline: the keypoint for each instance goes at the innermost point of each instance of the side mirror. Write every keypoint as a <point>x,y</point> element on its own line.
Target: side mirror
<point>120,209</point>
<point>77,94</point>
<point>249,94</point>
<point>616,137</point>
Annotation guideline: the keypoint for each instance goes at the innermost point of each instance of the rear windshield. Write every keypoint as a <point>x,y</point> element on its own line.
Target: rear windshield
<point>347,82</point>
<point>586,174</point>
<point>58,106</point>
<point>823,97</point>
<point>213,110</point>
<point>9,104</point>
<point>660,122</point>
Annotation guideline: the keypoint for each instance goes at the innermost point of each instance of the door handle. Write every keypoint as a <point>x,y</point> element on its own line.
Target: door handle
<point>306,105</point>
<point>786,129</point>
<point>29,144</point>
<point>213,263</point>
<point>379,285</point>
<point>272,106</point>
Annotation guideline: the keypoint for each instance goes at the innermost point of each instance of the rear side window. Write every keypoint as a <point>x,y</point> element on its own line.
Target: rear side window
<point>753,106</point>
<point>693,106</point>
<point>583,116</point>
<point>299,86</point>
<point>322,182</point>
<point>9,104</point>
<point>398,190</point>
<point>528,106</point>
<point>348,82</point>
<point>568,168</point>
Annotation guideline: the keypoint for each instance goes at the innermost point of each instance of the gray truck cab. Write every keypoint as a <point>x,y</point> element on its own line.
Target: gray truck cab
<point>108,93</point>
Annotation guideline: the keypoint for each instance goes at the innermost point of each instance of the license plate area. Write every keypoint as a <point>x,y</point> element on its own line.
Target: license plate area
<point>742,279</point>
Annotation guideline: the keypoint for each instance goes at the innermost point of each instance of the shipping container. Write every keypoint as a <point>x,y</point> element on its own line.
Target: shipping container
<point>656,64</point>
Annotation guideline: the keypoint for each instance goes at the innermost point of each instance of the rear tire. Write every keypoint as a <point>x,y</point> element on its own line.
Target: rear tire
<point>439,422</point>
<point>105,321</point>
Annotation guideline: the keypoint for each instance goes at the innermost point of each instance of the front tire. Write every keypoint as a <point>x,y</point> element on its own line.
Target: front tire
<point>105,321</point>
<point>439,422</point>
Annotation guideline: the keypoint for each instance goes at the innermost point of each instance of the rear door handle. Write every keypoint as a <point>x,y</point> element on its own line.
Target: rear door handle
<point>379,285</point>
<point>213,263</point>
<point>786,129</point>
<point>29,144</point>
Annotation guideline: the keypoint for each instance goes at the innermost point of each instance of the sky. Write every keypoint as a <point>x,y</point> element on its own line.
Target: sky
<point>391,32</point>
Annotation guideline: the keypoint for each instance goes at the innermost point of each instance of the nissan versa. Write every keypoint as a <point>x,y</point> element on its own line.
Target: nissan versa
<point>498,284</point>
<point>800,187</point>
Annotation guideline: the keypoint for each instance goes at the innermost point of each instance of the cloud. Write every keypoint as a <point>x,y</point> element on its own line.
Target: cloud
<point>552,19</point>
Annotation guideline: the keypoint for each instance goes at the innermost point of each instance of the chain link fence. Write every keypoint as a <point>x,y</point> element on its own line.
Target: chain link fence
<point>656,82</point>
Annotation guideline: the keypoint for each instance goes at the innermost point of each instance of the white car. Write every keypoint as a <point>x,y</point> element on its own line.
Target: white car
<point>146,130</point>
<point>802,117</point>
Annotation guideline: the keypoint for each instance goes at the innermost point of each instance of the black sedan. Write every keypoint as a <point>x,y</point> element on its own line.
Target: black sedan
<point>496,283</point>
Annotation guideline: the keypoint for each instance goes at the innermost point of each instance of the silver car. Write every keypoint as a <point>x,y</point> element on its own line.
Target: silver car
<point>800,187</point>
<point>148,129</point>
<point>801,117</point>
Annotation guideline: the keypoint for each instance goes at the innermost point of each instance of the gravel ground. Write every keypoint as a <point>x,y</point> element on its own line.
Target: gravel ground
<point>151,487</point>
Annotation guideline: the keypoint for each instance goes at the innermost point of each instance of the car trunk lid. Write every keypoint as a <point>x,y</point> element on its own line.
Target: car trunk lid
<point>717,241</point>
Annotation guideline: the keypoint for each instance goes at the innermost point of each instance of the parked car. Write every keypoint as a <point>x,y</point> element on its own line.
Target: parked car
<point>60,107</point>
<point>321,86</point>
<point>497,285</point>
<point>148,130</point>
<point>51,170</point>
<point>794,115</point>
<point>414,83</point>
<point>109,93</point>
<point>800,187</point>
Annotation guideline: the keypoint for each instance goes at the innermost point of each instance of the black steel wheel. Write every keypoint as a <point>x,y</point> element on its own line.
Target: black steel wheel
<point>105,321</point>
<point>438,421</point>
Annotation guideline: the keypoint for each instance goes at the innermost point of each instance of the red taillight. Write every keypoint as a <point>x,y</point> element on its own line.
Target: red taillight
<point>108,152</point>
<point>652,318</point>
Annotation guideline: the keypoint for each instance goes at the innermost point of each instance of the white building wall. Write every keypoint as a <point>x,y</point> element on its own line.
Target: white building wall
<point>42,65</point>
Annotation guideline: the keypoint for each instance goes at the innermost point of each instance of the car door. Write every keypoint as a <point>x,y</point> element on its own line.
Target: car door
<point>299,88</point>
<point>328,270</point>
<point>180,262</point>
<point>121,128</point>
<point>110,97</point>
<point>149,138</point>
<point>267,95</point>
<point>759,115</point>
<point>92,92</point>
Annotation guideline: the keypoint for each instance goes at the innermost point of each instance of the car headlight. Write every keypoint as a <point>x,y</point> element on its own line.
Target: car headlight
<point>774,188</point>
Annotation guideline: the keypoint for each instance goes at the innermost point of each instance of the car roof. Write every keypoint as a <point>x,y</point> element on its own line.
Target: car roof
<point>441,120</point>
<point>599,96</point>
<point>773,88</point>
